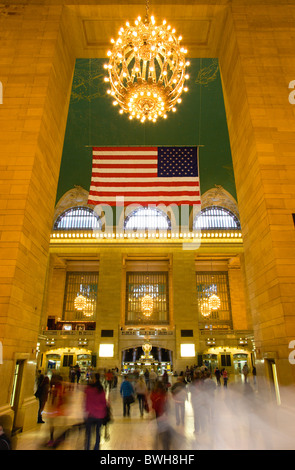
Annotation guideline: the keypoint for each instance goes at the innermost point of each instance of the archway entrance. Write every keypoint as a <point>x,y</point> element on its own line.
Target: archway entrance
<point>60,361</point>
<point>158,359</point>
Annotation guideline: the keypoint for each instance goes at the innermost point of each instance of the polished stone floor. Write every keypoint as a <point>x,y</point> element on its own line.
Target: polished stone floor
<point>239,419</point>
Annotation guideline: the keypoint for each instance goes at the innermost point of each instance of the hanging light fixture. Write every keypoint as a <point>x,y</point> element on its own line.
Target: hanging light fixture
<point>205,308</point>
<point>146,69</point>
<point>147,305</point>
<point>214,302</point>
<point>89,308</point>
<point>80,302</point>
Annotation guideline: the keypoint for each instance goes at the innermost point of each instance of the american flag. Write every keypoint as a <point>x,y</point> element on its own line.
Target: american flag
<point>145,176</point>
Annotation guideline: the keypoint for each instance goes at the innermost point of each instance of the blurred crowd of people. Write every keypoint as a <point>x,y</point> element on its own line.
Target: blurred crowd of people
<point>162,396</point>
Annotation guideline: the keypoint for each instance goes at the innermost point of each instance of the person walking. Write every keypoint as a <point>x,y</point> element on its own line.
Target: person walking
<point>198,402</point>
<point>165,379</point>
<point>254,374</point>
<point>109,379</point>
<point>42,395</point>
<point>159,401</point>
<point>245,371</point>
<point>141,392</point>
<point>127,393</point>
<point>146,377</point>
<point>225,377</point>
<point>77,373</point>
<point>96,411</point>
<point>217,374</point>
<point>56,407</point>
<point>179,394</point>
<point>153,377</point>
<point>72,376</point>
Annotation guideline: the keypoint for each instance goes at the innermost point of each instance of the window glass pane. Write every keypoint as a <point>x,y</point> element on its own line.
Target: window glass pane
<point>78,218</point>
<point>147,219</point>
<point>216,218</point>
<point>82,284</point>
<point>147,298</point>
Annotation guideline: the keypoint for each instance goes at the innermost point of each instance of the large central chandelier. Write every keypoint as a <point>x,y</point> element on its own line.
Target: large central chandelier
<point>146,70</point>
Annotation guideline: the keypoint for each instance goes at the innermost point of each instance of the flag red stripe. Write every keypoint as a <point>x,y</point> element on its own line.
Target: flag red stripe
<point>144,193</point>
<point>102,184</point>
<point>125,149</point>
<point>143,204</point>
<point>124,165</point>
<point>123,175</point>
<point>111,158</point>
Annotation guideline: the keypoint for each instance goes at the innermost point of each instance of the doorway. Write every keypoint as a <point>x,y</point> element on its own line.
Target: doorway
<point>16,391</point>
<point>160,360</point>
<point>239,360</point>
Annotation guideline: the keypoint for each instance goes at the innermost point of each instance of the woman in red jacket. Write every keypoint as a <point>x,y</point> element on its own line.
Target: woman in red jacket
<point>96,410</point>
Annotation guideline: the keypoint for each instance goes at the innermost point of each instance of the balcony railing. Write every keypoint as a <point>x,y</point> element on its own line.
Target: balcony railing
<point>49,333</point>
<point>146,332</point>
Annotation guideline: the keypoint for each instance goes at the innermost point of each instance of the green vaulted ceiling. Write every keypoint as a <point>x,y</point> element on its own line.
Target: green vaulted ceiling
<point>94,121</point>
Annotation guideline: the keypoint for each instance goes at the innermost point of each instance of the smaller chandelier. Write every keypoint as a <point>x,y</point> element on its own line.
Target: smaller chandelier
<point>214,302</point>
<point>89,308</point>
<point>146,70</point>
<point>205,308</point>
<point>147,305</point>
<point>80,302</point>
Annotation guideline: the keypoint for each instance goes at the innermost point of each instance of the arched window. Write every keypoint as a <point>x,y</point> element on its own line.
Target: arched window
<point>147,219</point>
<point>78,218</point>
<point>216,218</point>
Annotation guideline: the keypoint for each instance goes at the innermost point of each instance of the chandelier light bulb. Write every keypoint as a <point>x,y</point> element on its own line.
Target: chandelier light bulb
<point>147,69</point>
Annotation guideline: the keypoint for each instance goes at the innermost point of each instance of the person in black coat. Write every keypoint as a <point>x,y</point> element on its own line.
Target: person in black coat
<point>42,395</point>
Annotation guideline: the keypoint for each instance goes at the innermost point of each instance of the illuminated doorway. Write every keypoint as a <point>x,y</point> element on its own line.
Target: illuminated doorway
<point>133,359</point>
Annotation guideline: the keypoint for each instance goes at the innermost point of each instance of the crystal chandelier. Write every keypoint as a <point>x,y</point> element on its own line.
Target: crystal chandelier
<point>205,308</point>
<point>214,302</point>
<point>147,305</point>
<point>80,302</point>
<point>146,70</point>
<point>89,308</point>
